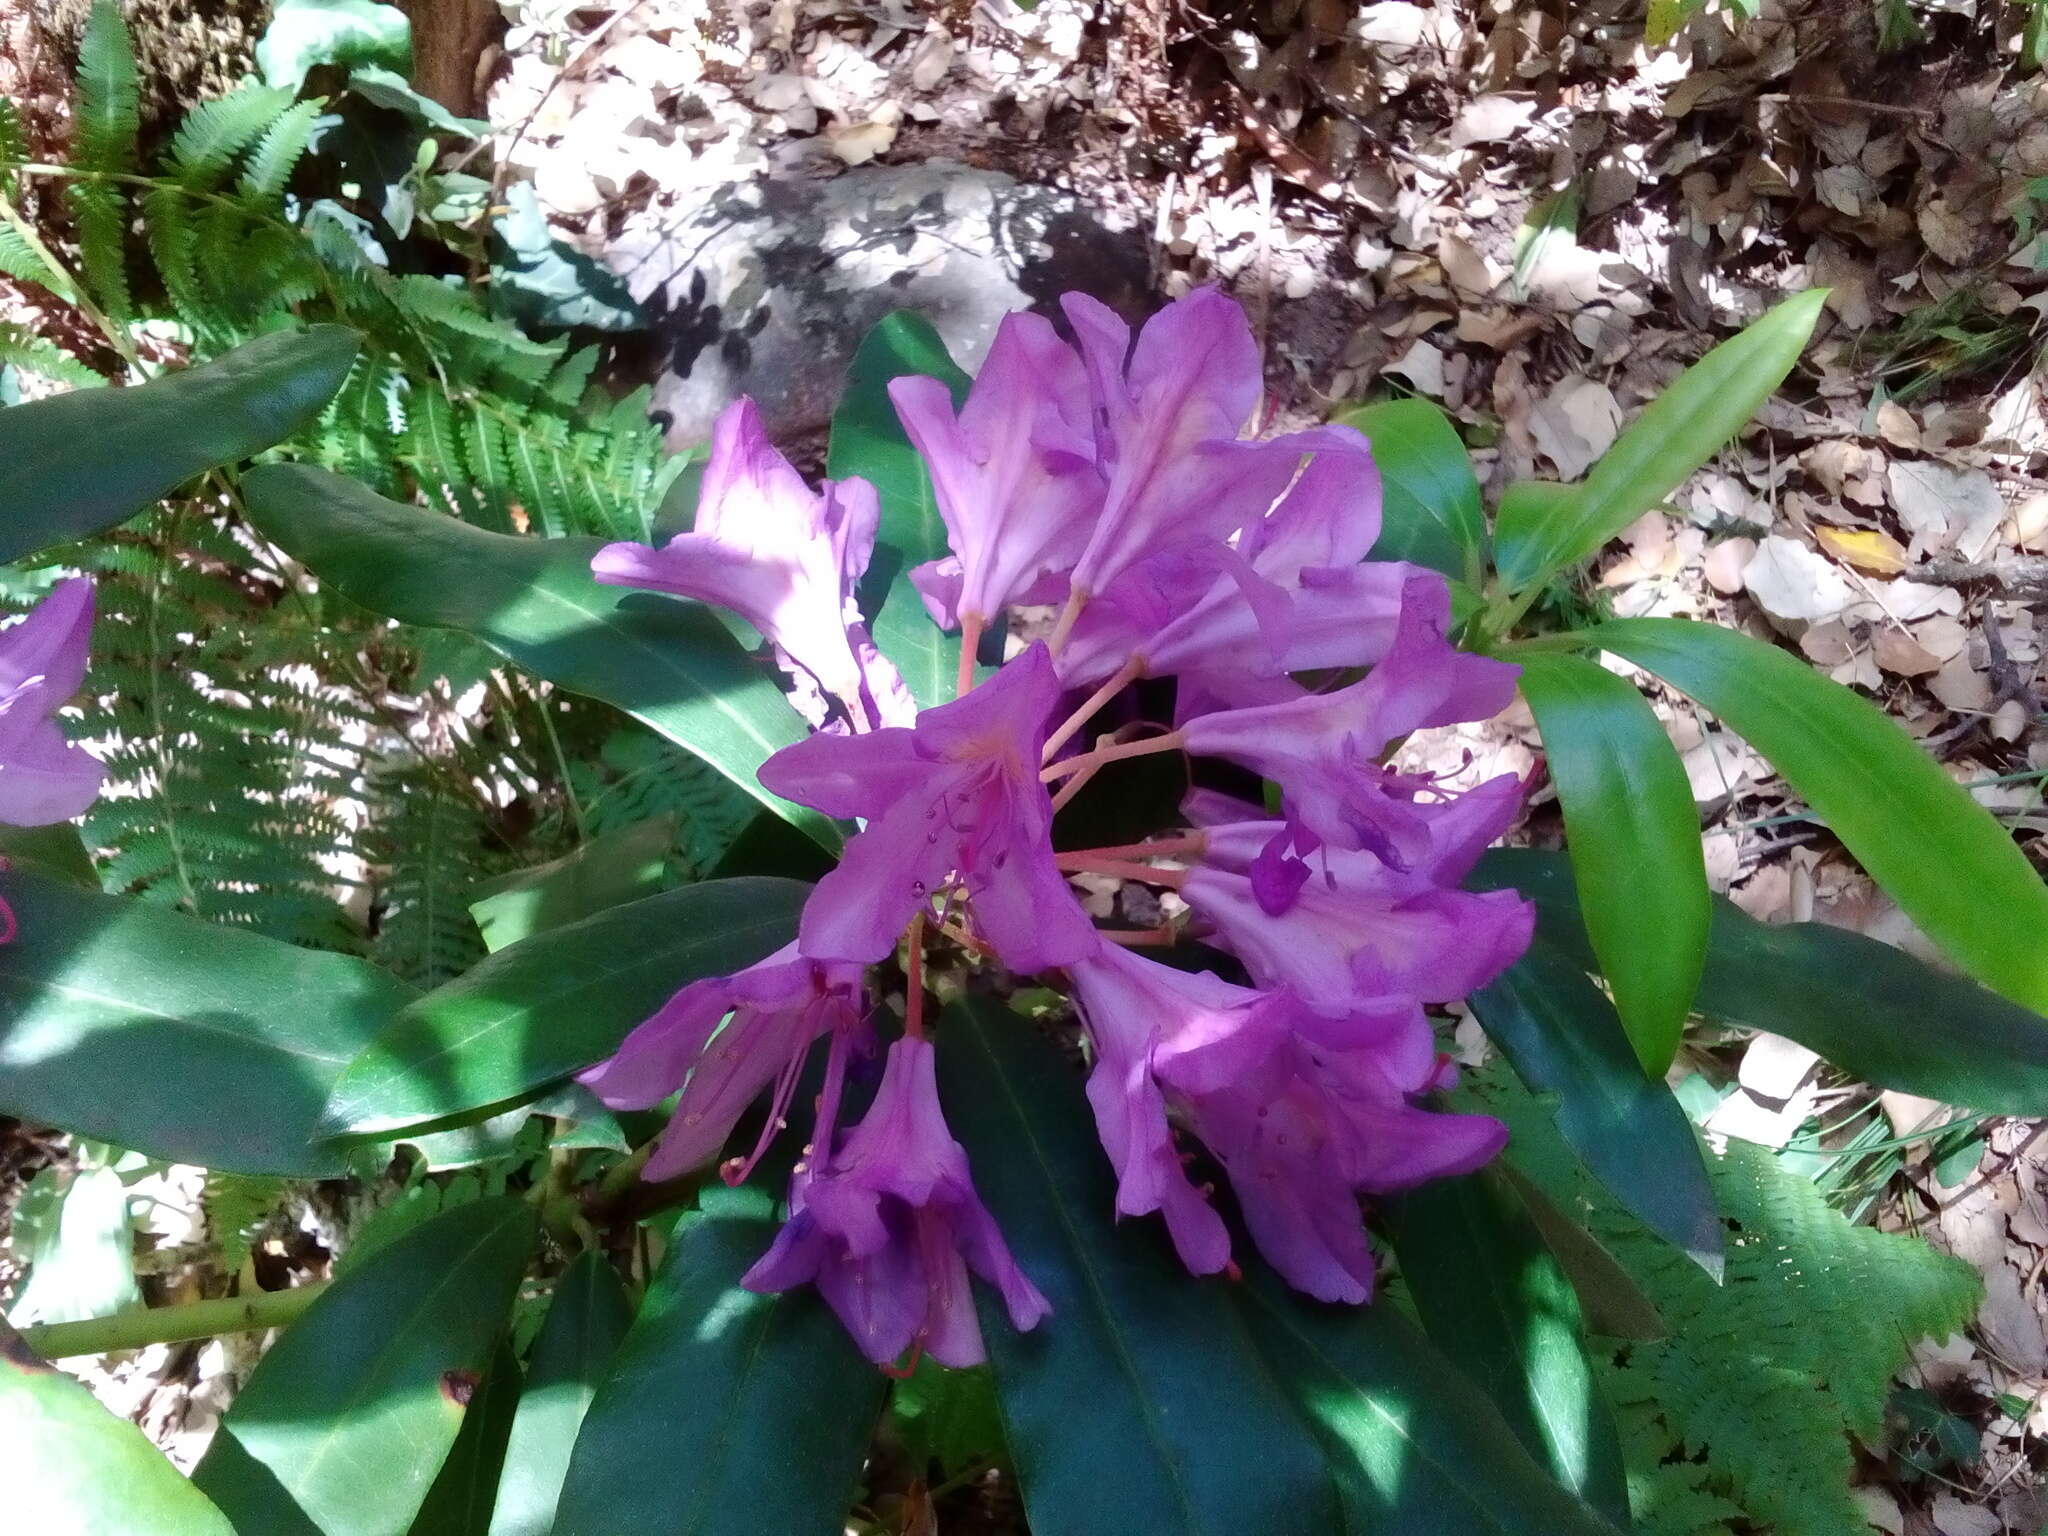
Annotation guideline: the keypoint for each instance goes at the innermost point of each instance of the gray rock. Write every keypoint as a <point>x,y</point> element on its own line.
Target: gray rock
<point>766,287</point>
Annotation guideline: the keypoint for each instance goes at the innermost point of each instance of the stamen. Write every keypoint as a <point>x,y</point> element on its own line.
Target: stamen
<point>909,1368</point>
<point>1074,786</point>
<point>913,981</point>
<point>1125,675</point>
<point>966,940</point>
<point>1139,938</point>
<point>1172,741</point>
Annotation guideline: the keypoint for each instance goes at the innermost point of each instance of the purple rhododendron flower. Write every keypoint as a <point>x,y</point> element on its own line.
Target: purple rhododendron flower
<point>771,1012</point>
<point>1324,749</point>
<point>43,777</point>
<point>784,558</point>
<point>1013,472</point>
<point>959,792</point>
<point>888,1227</point>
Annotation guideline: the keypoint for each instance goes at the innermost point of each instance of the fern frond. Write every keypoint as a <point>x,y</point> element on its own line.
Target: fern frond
<point>100,209</point>
<point>172,236</point>
<point>237,1205</point>
<point>106,114</point>
<point>20,260</point>
<point>642,776</point>
<point>31,353</point>
<point>215,132</point>
<point>13,143</point>
<point>427,846</point>
<point>277,153</point>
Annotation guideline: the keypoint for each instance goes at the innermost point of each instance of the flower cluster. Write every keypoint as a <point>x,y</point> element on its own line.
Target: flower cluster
<point>1111,482</point>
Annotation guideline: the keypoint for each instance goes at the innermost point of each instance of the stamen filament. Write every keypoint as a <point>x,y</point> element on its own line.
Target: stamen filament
<point>1125,675</point>
<point>1076,601</point>
<point>1144,874</point>
<point>1074,786</point>
<point>971,626</point>
<point>1139,938</point>
<point>1172,741</point>
<point>1195,842</point>
<point>962,937</point>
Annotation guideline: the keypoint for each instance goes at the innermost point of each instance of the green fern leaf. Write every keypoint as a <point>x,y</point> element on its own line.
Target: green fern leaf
<point>13,143</point>
<point>215,132</point>
<point>23,349</point>
<point>237,1205</point>
<point>106,115</point>
<point>20,260</point>
<point>277,153</point>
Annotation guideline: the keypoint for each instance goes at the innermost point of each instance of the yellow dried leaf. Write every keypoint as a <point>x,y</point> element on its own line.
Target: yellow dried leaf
<point>1868,549</point>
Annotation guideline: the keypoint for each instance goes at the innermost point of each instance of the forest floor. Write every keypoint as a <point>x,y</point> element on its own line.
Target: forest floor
<point>1532,216</point>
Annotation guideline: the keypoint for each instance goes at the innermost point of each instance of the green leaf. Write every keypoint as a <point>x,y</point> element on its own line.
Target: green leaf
<point>1683,428</point>
<point>1493,1298</point>
<point>623,865</point>
<point>868,440</point>
<point>306,33</point>
<point>346,1420</point>
<point>1562,1037</point>
<point>1634,837</point>
<point>1551,226</point>
<point>948,1420</point>
<point>586,1320</point>
<point>79,463</point>
<point>71,1468</point>
<point>1939,854</point>
<point>459,1503</point>
<point>539,1010</point>
<point>178,1038</point>
<point>670,664</point>
<point>57,850</point>
<point>1613,1304</point>
<point>1875,1011</point>
<point>1142,1403</point>
<point>1430,510</point>
<point>1416,1447</point>
<point>726,1412</point>
<point>72,1228</point>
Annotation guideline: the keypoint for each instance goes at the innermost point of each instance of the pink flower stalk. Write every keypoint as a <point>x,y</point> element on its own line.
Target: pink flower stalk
<point>1170,411</point>
<point>959,792</point>
<point>1324,749</point>
<point>1013,471</point>
<point>772,1012</point>
<point>784,558</point>
<point>43,777</point>
<point>889,1226</point>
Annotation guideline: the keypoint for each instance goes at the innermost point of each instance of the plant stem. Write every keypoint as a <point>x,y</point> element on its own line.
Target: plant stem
<point>172,1325</point>
<point>1172,741</point>
<point>1125,675</point>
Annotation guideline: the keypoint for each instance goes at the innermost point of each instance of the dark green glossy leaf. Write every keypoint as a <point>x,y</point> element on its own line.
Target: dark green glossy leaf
<point>1493,1298</point>
<point>1940,855</point>
<point>586,1320</point>
<point>348,1418</point>
<point>1562,1036</point>
<point>623,865</point>
<point>1681,429</point>
<point>1875,1011</point>
<point>79,463</point>
<point>57,850</point>
<point>948,1420</point>
<point>1613,1305</point>
<point>175,1037</point>
<point>532,1014</point>
<point>1142,1403</point>
<point>868,440</point>
<point>1417,1449</point>
<point>670,664</point>
<point>726,1412</point>
<point>459,1503</point>
<point>71,1468</point>
<point>1634,837</point>
<point>1430,510</point>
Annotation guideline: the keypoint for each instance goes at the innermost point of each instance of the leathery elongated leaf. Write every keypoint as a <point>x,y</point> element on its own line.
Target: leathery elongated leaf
<point>726,1412</point>
<point>1152,1400</point>
<point>1681,429</point>
<point>1875,1011</point>
<point>1430,512</point>
<point>538,1010</point>
<point>346,1421</point>
<point>1634,837</point>
<point>176,1037</point>
<point>586,1319</point>
<point>79,463</point>
<point>1939,854</point>
<point>668,663</point>
<point>1493,1299</point>
<point>1562,1036</point>
<point>869,441</point>
<point>71,1467</point>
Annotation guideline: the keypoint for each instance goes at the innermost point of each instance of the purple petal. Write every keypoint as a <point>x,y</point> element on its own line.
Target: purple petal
<point>44,778</point>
